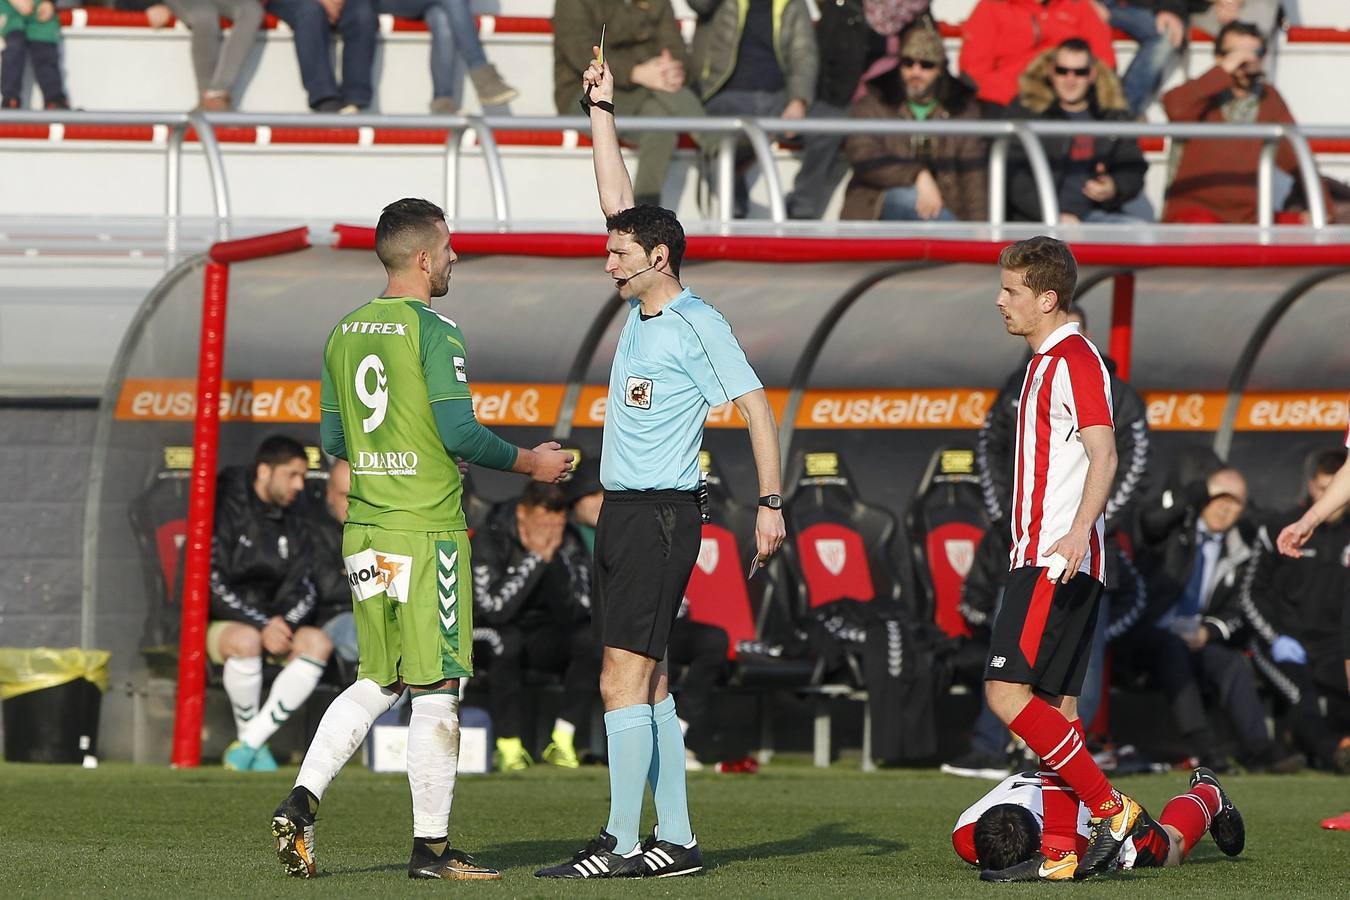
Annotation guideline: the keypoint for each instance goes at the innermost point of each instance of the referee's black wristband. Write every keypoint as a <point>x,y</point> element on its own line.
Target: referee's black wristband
<point>587,103</point>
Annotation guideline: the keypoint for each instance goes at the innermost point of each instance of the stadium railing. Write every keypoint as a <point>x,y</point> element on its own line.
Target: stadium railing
<point>207,129</point>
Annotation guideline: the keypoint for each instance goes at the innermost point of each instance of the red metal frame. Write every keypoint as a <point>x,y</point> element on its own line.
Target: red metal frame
<point>1122,323</point>
<point>187,729</point>
<point>751,248</point>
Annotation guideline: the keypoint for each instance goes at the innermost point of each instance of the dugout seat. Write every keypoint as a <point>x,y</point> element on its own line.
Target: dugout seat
<point>838,548</point>
<point>719,593</point>
<point>945,523</point>
<point>159,524</point>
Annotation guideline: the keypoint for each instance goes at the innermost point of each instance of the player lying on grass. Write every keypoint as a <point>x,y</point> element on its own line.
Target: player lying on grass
<point>1002,832</point>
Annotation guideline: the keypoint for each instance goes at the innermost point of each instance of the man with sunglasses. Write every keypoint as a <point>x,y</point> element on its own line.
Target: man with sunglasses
<point>1002,37</point>
<point>1095,177</point>
<point>1216,179</point>
<point>917,177</point>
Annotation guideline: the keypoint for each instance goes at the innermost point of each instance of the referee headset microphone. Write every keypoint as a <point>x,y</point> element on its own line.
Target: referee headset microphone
<point>623,282</point>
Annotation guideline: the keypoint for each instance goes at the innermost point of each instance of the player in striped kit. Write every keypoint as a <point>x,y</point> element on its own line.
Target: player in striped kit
<point>1064,463</point>
<point>1003,827</point>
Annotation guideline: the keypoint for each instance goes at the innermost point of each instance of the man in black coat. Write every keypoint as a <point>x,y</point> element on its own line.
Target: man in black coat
<point>532,609</point>
<point>263,598</point>
<point>1197,550</point>
<point>1296,608</point>
<point>1095,177</point>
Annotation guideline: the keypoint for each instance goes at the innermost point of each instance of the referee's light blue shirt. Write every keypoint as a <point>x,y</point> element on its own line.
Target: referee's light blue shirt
<point>669,370</point>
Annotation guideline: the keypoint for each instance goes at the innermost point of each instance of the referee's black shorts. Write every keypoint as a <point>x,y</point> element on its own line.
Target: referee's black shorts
<point>646,543</point>
<point>1042,635</point>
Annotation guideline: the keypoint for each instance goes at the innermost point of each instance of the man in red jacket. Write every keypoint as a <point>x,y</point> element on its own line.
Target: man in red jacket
<point>1002,36</point>
<point>1216,179</point>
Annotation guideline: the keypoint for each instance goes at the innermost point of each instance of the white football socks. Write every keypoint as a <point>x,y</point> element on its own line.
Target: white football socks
<point>290,690</point>
<point>243,685</point>
<point>433,758</point>
<point>343,727</point>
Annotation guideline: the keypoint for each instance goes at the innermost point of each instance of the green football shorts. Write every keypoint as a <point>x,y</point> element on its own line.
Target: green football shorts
<point>412,595</point>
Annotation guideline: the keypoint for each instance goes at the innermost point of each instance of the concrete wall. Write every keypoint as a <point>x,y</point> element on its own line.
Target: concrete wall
<point>44,469</point>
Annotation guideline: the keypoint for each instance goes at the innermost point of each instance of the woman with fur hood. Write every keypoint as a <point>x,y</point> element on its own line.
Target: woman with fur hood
<point>1094,176</point>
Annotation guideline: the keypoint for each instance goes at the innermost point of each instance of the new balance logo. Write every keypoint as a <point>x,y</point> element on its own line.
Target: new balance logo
<point>998,662</point>
<point>374,328</point>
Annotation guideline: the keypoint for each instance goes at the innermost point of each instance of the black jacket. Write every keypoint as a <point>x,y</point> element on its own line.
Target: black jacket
<point>330,578</point>
<point>847,46</point>
<point>512,586</point>
<point>1122,158</point>
<point>260,557</point>
<point>994,450</point>
<point>1307,598</point>
<point>1167,525</point>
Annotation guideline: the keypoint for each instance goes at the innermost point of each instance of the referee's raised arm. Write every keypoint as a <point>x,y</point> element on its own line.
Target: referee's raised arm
<point>611,175</point>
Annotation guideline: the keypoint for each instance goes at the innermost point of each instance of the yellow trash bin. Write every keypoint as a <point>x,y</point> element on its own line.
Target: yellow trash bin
<point>51,701</point>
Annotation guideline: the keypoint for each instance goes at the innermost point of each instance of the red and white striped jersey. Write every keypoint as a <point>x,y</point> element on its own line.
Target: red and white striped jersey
<point>1024,789</point>
<point>1066,389</point>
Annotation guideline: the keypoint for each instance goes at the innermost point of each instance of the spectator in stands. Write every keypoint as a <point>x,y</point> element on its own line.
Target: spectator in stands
<point>216,65</point>
<point>1095,177</point>
<point>330,575</point>
<point>1213,15</point>
<point>311,21</point>
<point>1216,179</point>
<point>532,597</point>
<point>454,34</point>
<point>31,31</point>
<point>754,58</point>
<point>1295,607</point>
<point>909,176</point>
<point>263,598</point>
<point>1197,549</point>
<point>646,53</point>
<point>1002,37</point>
<point>1159,27</point>
<point>847,44</point>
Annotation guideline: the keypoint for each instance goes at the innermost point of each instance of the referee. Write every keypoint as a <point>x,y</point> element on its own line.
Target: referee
<point>676,358</point>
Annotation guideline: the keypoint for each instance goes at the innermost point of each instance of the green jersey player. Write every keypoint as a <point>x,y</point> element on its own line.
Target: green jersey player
<point>395,404</point>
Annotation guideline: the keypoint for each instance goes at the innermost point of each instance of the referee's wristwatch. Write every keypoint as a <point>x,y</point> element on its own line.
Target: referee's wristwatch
<point>772,501</point>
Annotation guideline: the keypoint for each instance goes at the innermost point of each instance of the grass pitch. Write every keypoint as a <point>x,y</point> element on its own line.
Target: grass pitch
<point>790,831</point>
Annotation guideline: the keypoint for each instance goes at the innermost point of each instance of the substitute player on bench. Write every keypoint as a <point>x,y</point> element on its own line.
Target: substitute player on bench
<point>1065,460</point>
<point>676,358</point>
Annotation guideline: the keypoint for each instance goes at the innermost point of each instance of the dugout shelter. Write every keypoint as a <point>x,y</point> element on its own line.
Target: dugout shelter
<point>883,350</point>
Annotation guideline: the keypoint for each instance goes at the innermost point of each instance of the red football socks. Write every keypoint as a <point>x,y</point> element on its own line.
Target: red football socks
<point>1060,746</point>
<point>1191,813</point>
<point>1059,804</point>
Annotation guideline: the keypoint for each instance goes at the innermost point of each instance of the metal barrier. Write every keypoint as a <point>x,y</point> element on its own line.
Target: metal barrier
<point>726,132</point>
